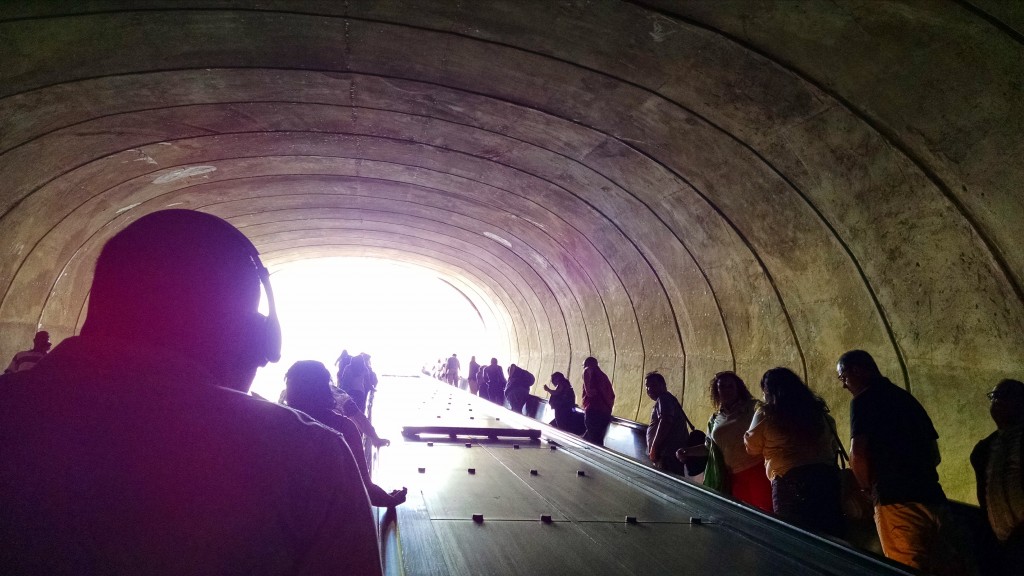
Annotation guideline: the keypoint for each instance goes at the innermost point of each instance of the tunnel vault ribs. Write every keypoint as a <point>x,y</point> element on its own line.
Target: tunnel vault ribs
<point>654,183</point>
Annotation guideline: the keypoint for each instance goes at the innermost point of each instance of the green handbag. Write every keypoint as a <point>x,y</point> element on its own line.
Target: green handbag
<point>716,475</point>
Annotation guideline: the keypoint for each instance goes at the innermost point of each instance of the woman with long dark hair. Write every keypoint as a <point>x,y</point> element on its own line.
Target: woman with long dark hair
<point>794,433</point>
<point>730,469</point>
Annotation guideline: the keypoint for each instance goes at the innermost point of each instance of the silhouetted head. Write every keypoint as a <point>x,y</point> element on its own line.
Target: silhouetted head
<point>654,384</point>
<point>494,361</point>
<point>782,384</point>
<point>358,362</point>
<point>557,378</point>
<point>308,384</point>
<point>41,341</point>
<point>590,362</point>
<point>1007,403</point>
<point>512,369</point>
<point>188,282</point>
<point>787,397</point>
<point>856,369</point>
<point>727,389</point>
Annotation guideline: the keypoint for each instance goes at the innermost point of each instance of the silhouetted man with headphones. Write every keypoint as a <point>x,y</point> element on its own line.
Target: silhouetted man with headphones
<point>133,448</point>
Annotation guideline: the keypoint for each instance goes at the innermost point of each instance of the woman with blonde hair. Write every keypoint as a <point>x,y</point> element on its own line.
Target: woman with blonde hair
<point>730,468</point>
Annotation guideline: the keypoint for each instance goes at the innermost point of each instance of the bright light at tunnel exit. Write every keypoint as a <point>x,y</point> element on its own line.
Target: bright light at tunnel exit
<point>403,316</point>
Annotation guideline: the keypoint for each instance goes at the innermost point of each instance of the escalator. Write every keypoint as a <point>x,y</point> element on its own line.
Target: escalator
<point>493,492</point>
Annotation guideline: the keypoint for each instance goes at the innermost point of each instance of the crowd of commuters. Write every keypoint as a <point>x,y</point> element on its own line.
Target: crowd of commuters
<point>780,455</point>
<point>513,390</point>
<point>447,369</point>
<point>356,377</point>
<point>171,344</point>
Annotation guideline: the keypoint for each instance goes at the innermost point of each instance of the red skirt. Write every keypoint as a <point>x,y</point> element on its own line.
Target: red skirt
<point>753,487</point>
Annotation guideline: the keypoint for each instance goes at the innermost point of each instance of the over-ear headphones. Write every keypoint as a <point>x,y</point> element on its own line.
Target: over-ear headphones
<point>268,329</point>
<point>271,349</point>
<point>176,258</point>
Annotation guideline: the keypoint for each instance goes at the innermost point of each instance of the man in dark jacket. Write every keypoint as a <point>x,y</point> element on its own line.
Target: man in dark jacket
<point>493,386</point>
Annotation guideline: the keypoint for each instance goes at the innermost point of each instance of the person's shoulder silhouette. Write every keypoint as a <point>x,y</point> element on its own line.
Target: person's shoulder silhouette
<point>133,449</point>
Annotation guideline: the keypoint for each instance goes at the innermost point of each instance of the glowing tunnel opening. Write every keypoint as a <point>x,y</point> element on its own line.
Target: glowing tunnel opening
<point>404,316</point>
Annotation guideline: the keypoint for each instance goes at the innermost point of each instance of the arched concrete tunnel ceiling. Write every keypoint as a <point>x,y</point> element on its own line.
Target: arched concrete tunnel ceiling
<point>676,186</point>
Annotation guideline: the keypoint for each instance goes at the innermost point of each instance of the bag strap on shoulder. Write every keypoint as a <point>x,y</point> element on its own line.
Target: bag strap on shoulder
<point>844,458</point>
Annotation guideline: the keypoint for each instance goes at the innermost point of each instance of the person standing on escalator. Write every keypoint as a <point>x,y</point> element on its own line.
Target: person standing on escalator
<point>473,378</point>
<point>451,374</point>
<point>517,389</point>
<point>667,431</point>
<point>153,458</point>
<point>494,379</point>
<point>598,400</point>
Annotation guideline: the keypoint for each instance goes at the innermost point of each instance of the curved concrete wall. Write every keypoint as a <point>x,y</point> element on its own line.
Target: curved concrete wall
<point>680,186</point>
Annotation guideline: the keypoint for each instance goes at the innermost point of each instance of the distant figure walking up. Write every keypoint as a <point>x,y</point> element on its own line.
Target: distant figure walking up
<point>794,433</point>
<point>481,380</point>
<point>451,374</point>
<point>997,462</point>
<point>342,363</point>
<point>494,383</point>
<point>473,378</point>
<point>563,402</point>
<point>894,452</point>
<point>371,376</point>
<point>668,431</point>
<point>27,359</point>
<point>598,399</point>
<point>355,381</point>
<point>517,389</point>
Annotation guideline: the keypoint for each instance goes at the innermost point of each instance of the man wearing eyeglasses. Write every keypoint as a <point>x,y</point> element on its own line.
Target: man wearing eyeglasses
<point>997,462</point>
<point>894,454</point>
